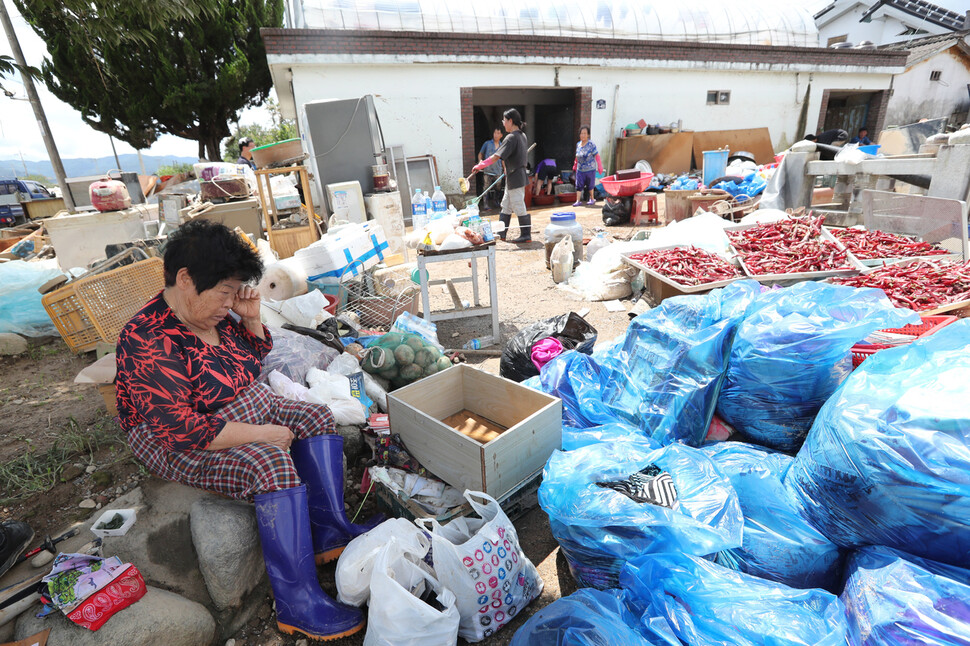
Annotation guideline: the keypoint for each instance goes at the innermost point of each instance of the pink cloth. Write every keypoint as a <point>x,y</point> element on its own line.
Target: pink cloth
<point>544,351</point>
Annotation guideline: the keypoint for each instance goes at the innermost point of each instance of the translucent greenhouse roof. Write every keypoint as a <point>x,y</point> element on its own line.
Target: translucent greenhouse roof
<point>749,22</point>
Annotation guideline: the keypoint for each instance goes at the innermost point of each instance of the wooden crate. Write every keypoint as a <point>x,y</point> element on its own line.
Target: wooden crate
<point>286,242</point>
<point>533,423</point>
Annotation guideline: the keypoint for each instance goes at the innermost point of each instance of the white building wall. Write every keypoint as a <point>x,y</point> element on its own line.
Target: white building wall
<point>884,28</point>
<point>419,105</point>
<point>916,97</point>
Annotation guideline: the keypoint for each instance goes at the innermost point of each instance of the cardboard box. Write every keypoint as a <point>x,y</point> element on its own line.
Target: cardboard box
<point>533,422</point>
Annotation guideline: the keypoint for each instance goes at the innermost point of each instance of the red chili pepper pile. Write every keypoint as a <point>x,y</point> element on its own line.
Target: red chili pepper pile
<point>688,265</point>
<point>920,285</point>
<point>872,245</point>
<point>788,247</point>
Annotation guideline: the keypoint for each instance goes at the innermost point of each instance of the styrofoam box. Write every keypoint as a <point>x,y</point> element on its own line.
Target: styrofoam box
<point>532,421</point>
<point>80,238</point>
<point>344,252</point>
<point>128,514</point>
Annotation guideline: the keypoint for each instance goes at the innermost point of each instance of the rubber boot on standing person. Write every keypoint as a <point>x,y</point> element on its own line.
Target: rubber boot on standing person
<point>513,151</point>
<point>15,536</point>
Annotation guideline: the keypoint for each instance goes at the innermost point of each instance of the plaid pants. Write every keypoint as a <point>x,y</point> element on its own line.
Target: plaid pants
<point>239,471</point>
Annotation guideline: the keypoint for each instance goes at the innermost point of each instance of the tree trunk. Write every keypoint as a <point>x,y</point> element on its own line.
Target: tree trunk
<point>201,150</point>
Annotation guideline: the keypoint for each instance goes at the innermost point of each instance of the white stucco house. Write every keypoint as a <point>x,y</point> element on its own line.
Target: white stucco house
<point>936,82</point>
<point>442,72</point>
<point>883,22</point>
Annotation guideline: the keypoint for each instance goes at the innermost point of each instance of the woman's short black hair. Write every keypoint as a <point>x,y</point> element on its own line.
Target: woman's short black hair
<point>211,253</point>
<point>513,115</point>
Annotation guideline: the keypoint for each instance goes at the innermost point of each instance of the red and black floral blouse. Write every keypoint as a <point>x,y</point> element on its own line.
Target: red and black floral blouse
<point>174,381</point>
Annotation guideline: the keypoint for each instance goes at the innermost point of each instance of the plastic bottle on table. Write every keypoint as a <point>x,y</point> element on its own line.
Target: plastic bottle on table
<point>419,211</point>
<point>439,203</point>
<point>429,207</point>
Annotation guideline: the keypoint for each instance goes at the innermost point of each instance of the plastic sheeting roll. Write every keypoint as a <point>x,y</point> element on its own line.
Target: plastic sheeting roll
<point>282,280</point>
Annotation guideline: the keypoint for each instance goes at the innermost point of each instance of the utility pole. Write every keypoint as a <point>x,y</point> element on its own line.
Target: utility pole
<point>117,161</point>
<point>45,130</point>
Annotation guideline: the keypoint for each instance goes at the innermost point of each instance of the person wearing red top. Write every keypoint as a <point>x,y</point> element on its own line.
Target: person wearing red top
<point>188,399</point>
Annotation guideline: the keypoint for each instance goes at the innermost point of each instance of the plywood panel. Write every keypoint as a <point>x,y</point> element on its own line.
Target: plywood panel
<point>439,395</point>
<point>500,400</point>
<point>756,141</point>
<point>670,153</point>
<point>520,452</point>
<point>443,451</point>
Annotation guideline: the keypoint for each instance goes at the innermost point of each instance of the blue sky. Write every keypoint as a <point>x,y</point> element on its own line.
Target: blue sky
<point>19,133</point>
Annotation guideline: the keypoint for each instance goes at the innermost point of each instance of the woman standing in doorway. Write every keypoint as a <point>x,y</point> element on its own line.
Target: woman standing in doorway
<point>585,166</point>
<point>513,151</point>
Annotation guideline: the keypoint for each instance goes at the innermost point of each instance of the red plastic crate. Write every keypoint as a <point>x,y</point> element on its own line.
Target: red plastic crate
<point>930,324</point>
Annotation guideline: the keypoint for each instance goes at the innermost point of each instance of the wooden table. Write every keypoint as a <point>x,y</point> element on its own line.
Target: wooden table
<point>486,251</point>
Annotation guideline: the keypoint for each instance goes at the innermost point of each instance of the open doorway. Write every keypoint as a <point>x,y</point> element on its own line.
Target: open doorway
<point>851,110</point>
<point>552,118</point>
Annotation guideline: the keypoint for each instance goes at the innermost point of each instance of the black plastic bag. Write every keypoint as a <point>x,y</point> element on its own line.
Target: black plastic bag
<point>570,329</point>
<point>617,210</point>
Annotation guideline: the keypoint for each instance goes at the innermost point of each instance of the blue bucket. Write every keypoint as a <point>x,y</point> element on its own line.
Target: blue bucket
<point>715,165</point>
<point>870,150</point>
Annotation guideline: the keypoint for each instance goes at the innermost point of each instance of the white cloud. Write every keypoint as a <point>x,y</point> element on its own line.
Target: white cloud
<point>20,134</point>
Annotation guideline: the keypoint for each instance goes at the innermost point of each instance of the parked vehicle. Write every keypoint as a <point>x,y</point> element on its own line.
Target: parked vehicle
<point>13,192</point>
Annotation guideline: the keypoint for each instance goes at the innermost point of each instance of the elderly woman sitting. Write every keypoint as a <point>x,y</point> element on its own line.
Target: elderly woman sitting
<point>189,402</point>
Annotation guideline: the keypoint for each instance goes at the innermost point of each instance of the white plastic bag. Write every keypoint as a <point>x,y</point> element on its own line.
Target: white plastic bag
<point>334,391</point>
<point>562,260</point>
<point>397,616</point>
<point>481,562</point>
<point>306,310</point>
<point>356,563</point>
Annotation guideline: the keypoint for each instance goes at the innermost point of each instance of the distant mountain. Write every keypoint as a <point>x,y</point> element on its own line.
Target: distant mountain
<point>80,167</point>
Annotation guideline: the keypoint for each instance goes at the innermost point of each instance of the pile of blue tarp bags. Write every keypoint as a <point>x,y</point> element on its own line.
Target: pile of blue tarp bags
<point>842,516</point>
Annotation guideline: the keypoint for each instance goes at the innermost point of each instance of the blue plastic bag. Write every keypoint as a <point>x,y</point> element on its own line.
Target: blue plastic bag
<point>587,618</point>
<point>894,599</point>
<point>599,527</point>
<point>576,438</point>
<point>663,375</point>
<point>778,544</point>
<point>706,604</point>
<point>887,461</point>
<point>21,309</point>
<point>791,353</point>
<point>685,183</point>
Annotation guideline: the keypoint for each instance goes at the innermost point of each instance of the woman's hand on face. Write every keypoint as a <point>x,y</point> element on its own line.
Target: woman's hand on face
<point>277,435</point>
<point>246,302</point>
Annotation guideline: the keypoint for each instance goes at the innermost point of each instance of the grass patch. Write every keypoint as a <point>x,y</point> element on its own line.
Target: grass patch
<point>37,471</point>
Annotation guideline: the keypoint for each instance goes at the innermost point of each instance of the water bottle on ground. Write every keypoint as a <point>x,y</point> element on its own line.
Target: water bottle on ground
<point>419,211</point>
<point>596,244</point>
<point>476,344</point>
<point>439,203</point>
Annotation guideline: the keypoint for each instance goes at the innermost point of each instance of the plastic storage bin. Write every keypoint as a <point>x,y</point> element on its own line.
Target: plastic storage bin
<point>561,225</point>
<point>129,516</point>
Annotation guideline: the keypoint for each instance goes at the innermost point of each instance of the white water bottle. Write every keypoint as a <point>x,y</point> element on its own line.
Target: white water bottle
<point>439,203</point>
<point>419,210</point>
<point>428,207</point>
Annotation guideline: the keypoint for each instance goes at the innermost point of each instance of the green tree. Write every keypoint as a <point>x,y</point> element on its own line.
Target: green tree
<point>279,130</point>
<point>188,76</point>
<point>9,68</point>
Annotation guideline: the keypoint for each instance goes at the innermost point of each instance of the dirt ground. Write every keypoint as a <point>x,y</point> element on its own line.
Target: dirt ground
<point>59,447</point>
